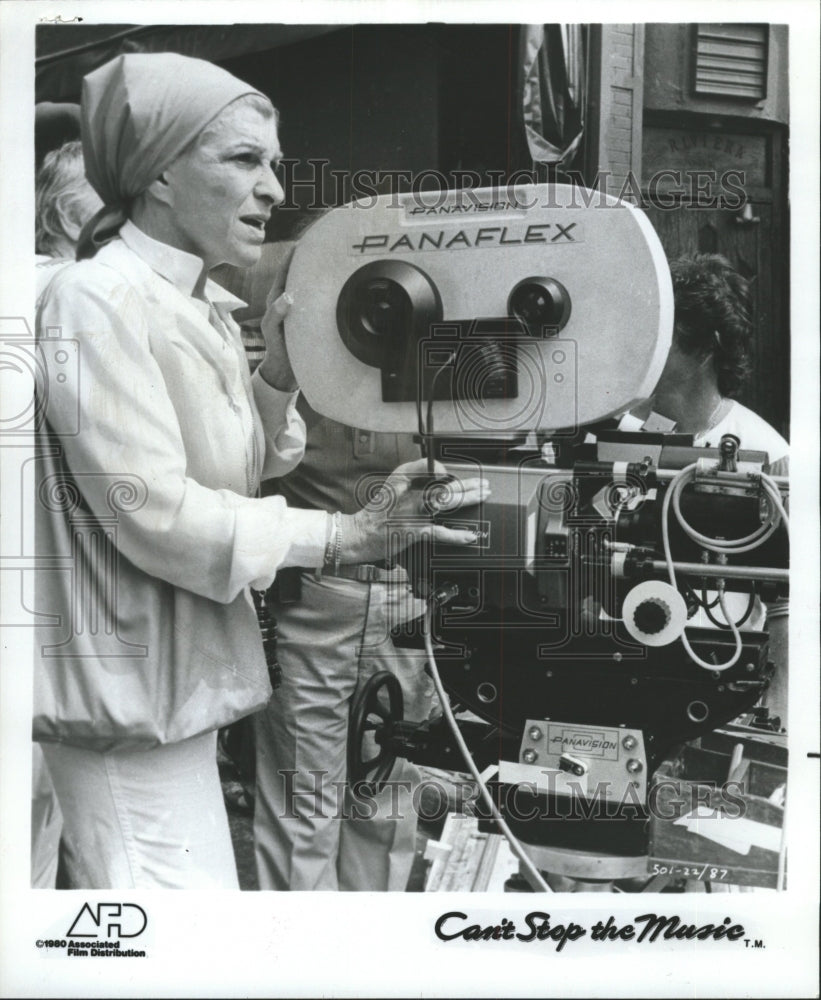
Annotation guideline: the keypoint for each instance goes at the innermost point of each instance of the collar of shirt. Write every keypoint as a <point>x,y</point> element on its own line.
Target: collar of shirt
<point>179,267</point>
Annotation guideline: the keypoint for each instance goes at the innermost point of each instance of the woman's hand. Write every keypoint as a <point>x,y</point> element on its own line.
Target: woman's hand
<point>275,367</point>
<point>400,511</point>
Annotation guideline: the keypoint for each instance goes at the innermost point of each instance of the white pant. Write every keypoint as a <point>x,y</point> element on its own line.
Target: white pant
<point>144,818</point>
<point>46,824</point>
<point>308,832</point>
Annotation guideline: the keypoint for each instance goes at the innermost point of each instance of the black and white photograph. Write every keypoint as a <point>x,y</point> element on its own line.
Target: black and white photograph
<point>409,455</point>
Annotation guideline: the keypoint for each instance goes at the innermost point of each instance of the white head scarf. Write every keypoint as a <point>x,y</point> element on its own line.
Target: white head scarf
<point>138,113</point>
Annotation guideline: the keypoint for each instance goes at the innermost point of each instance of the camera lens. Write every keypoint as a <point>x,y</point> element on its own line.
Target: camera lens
<point>381,306</point>
<point>542,304</point>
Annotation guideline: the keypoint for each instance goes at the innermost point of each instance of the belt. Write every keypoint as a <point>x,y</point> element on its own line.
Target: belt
<point>287,587</point>
<point>368,573</point>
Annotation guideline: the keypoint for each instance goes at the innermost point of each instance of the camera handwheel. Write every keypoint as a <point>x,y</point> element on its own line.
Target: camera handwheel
<point>377,707</point>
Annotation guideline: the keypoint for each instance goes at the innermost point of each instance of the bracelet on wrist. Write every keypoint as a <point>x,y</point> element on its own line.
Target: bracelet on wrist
<point>331,528</point>
<point>333,544</point>
<point>337,540</point>
<point>330,540</point>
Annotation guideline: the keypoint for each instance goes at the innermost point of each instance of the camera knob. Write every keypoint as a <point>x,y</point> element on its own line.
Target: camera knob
<point>651,616</point>
<point>542,304</point>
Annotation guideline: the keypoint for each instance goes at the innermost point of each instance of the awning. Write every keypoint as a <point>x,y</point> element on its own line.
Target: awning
<point>66,52</point>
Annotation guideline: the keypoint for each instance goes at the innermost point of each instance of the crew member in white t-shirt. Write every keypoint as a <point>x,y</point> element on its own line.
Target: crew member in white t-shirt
<point>708,363</point>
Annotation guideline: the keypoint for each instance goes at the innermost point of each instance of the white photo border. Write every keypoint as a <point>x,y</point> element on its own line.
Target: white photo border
<point>293,944</point>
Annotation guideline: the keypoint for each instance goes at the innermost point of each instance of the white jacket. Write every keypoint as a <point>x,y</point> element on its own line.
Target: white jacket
<point>154,441</point>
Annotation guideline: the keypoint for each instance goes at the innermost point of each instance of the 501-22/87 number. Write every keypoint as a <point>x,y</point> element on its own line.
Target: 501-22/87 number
<point>710,873</point>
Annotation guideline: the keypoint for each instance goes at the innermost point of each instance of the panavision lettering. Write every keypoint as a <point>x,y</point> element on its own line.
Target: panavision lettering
<point>462,208</point>
<point>486,236</point>
<point>584,743</point>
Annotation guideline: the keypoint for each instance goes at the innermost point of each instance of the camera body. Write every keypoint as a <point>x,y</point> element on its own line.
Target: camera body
<point>508,333</point>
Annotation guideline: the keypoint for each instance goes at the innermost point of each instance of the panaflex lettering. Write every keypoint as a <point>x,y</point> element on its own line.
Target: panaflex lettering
<point>486,236</point>
<point>584,743</point>
<point>462,208</point>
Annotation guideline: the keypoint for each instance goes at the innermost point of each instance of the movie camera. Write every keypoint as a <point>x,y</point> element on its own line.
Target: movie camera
<point>511,333</point>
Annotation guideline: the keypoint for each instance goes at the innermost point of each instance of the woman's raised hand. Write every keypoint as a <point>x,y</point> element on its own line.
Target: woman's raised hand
<point>398,513</point>
<point>275,367</point>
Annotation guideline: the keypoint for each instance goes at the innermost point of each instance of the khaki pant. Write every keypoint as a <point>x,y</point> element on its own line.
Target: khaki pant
<point>309,832</point>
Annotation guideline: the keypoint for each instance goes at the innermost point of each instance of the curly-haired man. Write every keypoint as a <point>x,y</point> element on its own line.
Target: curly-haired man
<point>708,363</point>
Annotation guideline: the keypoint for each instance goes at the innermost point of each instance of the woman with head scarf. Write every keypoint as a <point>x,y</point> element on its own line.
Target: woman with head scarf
<point>155,441</point>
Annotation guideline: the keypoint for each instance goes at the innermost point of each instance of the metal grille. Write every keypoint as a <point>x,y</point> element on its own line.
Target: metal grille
<point>731,60</point>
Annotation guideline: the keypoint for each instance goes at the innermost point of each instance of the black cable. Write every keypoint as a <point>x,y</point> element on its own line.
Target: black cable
<point>701,602</point>
<point>427,434</point>
<point>691,600</point>
<point>741,621</point>
<point>420,425</point>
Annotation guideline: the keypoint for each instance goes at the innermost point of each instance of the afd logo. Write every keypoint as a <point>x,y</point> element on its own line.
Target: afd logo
<point>107,920</point>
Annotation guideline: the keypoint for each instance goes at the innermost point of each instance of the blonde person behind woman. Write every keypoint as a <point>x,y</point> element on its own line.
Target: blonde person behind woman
<point>159,438</point>
<point>63,202</point>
